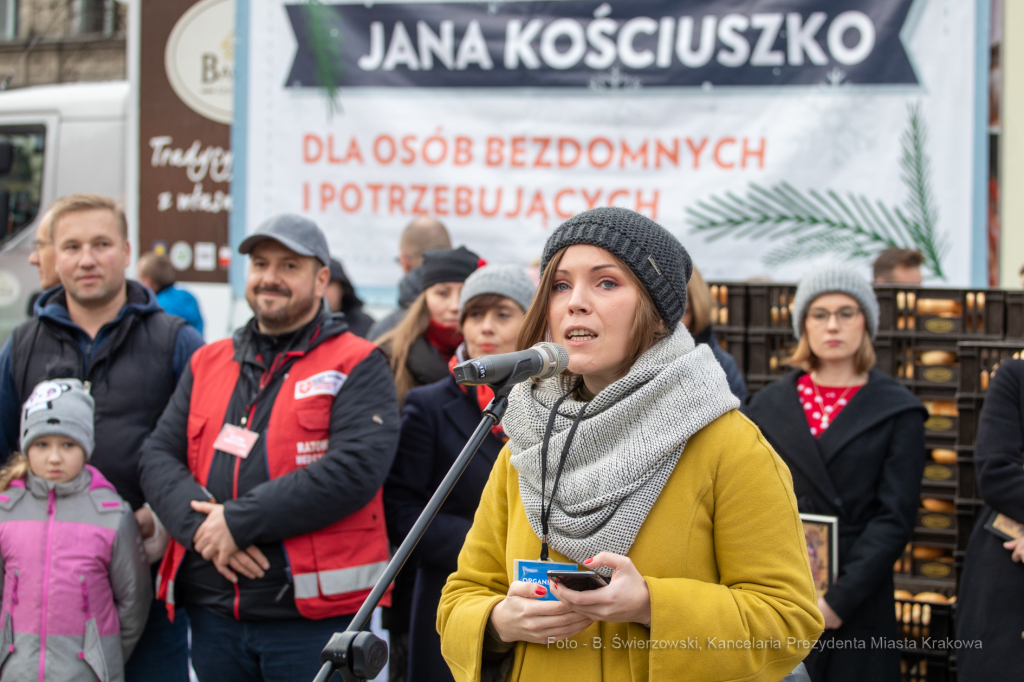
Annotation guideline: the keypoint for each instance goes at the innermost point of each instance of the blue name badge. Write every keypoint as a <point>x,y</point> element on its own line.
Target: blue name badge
<point>536,572</point>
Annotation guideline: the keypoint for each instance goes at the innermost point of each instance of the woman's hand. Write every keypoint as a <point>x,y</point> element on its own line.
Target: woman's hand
<point>519,617</point>
<point>1017,547</point>
<point>625,600</point>
<point>832,619</point>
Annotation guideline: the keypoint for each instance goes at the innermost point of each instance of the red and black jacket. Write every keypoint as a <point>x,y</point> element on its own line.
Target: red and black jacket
<point>308,494</point>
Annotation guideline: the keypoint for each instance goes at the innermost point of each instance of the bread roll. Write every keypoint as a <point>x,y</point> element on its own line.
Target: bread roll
<point>944,456</point>
<point>933,505</point>
<point>928,552</point>
<point>723,316</point>
<point>938,306</point>
<point>944,408</point>
<point>902,594</point>
<point>937,357</point>
<point>951,600</point>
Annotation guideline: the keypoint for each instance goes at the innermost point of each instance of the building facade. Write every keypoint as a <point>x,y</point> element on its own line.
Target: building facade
<point>61,41</point>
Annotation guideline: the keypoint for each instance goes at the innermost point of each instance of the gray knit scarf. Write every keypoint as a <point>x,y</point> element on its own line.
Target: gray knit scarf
<point>625,448</point>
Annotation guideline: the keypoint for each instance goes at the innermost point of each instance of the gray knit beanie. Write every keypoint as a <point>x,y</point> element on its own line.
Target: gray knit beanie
<point>510,281</point>
<point>58,407</point>
<point>655,256</point>
<point>834,279</point>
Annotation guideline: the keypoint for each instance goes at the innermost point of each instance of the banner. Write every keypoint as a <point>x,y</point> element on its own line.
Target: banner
<point>185,101</point>
<point>766,135</point>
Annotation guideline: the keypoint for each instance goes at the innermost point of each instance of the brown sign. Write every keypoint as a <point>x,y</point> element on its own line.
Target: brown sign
<point>186,78</point>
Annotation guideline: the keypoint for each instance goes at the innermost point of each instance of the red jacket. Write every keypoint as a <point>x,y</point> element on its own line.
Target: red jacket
<point>334,568</point>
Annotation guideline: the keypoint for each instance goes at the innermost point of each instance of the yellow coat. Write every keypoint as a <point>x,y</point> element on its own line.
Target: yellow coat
<point>723,554</point>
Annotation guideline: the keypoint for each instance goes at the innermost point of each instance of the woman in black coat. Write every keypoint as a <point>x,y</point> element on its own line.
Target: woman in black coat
<point>697,320</point>
<point>865,468</point>
<point>437,420</point>
<point>991,607</point>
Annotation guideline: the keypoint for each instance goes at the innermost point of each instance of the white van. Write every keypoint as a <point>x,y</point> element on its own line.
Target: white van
<point>65,138</point>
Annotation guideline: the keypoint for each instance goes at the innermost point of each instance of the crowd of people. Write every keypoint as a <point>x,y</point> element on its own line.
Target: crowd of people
<point>229,506</point>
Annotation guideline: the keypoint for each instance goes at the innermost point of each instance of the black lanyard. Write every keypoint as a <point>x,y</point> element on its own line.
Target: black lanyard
<point>545,513</point>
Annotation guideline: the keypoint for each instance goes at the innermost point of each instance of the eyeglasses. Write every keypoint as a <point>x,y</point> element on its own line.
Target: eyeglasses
<point>845,315</point>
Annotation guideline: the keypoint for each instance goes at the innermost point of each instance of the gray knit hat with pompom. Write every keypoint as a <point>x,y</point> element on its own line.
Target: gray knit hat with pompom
<point>655,256</point>
<point>834,279</point>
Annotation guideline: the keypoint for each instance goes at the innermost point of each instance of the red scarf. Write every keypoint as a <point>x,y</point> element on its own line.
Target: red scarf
<point>444,339</point>
<point>484,394</point>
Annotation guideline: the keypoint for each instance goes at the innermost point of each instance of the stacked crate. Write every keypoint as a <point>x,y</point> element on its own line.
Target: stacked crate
<point>729,319</point>
<point>943,345</point>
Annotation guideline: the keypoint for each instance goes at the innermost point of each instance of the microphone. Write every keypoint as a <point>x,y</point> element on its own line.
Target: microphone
<point>543,360</point>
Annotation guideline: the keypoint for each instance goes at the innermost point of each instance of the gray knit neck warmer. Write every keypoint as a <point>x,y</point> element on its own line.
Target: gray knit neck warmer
<point>626,447</point>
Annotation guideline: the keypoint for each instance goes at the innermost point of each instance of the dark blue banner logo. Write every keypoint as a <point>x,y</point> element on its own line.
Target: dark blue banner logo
<point>600,45</point>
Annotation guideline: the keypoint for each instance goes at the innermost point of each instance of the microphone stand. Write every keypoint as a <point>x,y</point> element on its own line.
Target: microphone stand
<point>361,653</point>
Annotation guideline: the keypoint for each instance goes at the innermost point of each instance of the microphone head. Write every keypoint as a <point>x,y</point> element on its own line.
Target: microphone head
<point>556,359</point>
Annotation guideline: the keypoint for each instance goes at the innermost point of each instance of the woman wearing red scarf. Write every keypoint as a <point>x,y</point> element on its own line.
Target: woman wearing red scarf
<point>426,338</point>
<point>437,420</point>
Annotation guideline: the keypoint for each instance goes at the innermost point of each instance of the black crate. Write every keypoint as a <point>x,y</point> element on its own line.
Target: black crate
<point>728,305</point>
<point>980,360</point>
<point>926,623</point>
<point>966,480</point>
<point>770,306</point>
<point>977,313</point>
<point>924,666</point>
<point>735,344</point>
<point>1015,315</point>
<point>943,420</point>
<point>969,409</point>
<point>767,352</point>
<point>966,515</point>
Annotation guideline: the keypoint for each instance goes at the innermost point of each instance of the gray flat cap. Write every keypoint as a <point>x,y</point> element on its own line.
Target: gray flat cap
<point>299,234</point>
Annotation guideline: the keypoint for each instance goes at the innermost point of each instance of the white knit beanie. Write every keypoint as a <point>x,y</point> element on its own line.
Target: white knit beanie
<point>510,281</point>
<point>834,279</point>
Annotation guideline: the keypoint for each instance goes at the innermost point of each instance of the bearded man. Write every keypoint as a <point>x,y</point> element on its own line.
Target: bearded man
<point>267,466</point>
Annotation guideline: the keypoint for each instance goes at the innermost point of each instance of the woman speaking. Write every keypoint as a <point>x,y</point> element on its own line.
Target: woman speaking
<point>635,464</point>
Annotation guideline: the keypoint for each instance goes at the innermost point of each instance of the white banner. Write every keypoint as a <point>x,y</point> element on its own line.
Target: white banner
<point>805,133</point>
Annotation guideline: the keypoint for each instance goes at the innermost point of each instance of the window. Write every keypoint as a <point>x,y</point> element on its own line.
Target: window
<point>94,16</point>
<point>8,19</point>
<point>23,183</point>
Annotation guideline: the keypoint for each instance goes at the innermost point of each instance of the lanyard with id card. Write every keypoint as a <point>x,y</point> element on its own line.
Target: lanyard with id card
<point>537,571</point>
<point>236,440</point>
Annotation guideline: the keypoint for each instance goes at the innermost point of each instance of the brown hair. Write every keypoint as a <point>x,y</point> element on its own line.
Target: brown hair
<point>16,467</point>
<point>804,358</point>
<point>890,259</point>
<point>77,203</point>
<point>397,342</point>
<point>698,299</point>
<point>648,327</point>
<point>158,269</point>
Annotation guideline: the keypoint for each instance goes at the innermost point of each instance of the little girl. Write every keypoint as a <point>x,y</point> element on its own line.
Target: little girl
<point>76,586</point>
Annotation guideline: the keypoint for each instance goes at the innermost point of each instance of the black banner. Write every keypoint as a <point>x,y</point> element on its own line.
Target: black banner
<point>601,45</point>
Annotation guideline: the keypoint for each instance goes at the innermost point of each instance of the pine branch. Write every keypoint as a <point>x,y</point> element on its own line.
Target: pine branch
<point>323,37</point>
<point>814,223</point>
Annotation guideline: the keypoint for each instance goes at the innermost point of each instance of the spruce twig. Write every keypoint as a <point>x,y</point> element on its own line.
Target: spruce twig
<point>813,223</point>
<point>323,37</point>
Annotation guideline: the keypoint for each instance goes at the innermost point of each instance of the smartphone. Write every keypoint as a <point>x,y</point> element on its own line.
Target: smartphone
<point>581,581</point>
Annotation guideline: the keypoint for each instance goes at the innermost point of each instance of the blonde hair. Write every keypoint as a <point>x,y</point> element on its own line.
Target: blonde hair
<point>77,203</point>
<point>804,358</point>
<point>698,296</point>
<point>397,342</point>
<point>648,327</point>
<point>16,467</point>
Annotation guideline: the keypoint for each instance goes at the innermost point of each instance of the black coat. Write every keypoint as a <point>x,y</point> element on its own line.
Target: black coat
<point>737,385</point>
<point>437,420</point>
<point>991,607</point>
<point>866,469</point>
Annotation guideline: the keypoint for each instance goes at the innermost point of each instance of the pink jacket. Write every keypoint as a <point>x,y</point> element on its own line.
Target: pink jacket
<point>76,585</point>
